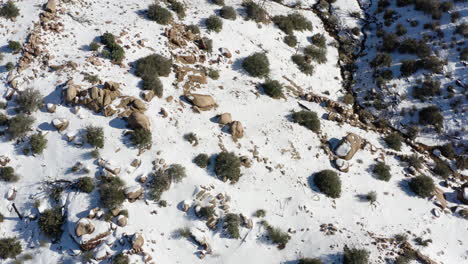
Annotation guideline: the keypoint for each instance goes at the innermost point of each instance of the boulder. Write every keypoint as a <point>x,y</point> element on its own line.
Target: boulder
<point>51,6</point>
<point>237,130</point>
<point>226,53</point>
<point>342,165</point>
<point>84,227</point>
<point>138,120</point>
<point>348,146</point>
<point>122,220</point>
<point>133,192</point>
<point>202,101</point>
<point>112,86</point>
<point>137,241</point>
<point>148,95</point>
<point>60,124</point>
<point>224,119</point>
<point>51,108</point>
<point>71,92</point>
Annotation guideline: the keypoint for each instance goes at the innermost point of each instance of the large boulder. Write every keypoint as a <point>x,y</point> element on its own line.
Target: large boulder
<point>60,124</point>
<point>71,92</point>
<point>137,241</point>
<point>84,227</point>
<point>348,146</point>
<point>203,102</point>
<point>133,192</point>
<point>138,120</point>
<point>51,6</point>
<point>237,130</point>
<point>224,119</point>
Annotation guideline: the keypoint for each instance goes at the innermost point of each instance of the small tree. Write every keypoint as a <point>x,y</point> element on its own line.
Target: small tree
<point>8,174</point>
<point>51,222</point>
<point>10,66</point>
<point>85,184</point>
<point>176,172</point>
<point>112,192</point>
<point>328,182</point>
<point>292,22</point>
<point>9,10</point>
<point>19,125</point>
<point>38,142</point>
<point>193,28</point>
<point>232,223</point>
<point>95,136</point>
<point>393,141</point>
<point>29,100</point>
<point>381,60</point>
<point>227,166</point>
<point>355,256</point>
<point>153,65</point>
<point>206,212</point>
<point>257,65</point>
<point>10,247</point>
<point>202,160</point>
<point>141,138</point>
<point>177,7</point>
<point>423,186</point>
<point>159,14</point>
<point>276,235</point>
<point>255,12</point>
<point>382,171</point>
<point>14,46</point>
<point>228,12</point>
<point>213,23</point>
<point>273,88</point>
<point>308,119</point>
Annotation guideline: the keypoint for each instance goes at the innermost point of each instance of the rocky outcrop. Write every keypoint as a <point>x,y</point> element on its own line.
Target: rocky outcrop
<point>348,146</point>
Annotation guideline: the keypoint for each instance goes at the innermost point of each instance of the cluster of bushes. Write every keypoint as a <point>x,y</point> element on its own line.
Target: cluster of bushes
<point>10,247</point>
<point>228,12</point>
<point>393,141</point>
<point>150,68</point>
<point>141,138</point>
<point>162,180</point>
<point>422,185</point>
<point>328,182</point>
<point>257,65</point>
<point>255,12</point>
<point>292,22</point>
<point>431,115</point>
<point>94,136</point>
<point>214,23</point>
<point>19,125</point>
<point>85,184</point>
<point>206,212</point>
<point>112,193</point>
<point>8,174</point>
<point>307,119</point>
<point>159,14</point>
<point>413,46</point>
<point>9,10</point>
<point>51,222</point>
<point>382,171</point>
<point>227,166</point>
<point>112,50</point>
<point>273,88</point>
<point>276,235</point>
<point>303,64</point>
<point>37,143</point>
<point>231,224</point>
<point>29,100</point>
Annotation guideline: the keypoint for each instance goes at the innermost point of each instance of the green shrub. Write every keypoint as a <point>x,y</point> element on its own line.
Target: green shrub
<point>273,88</point>
<point>14,46</point>
<point>355,256</point>
<point>29,100</point>
<point>213,74</point>
<point>348,99</point>
<point>448,151</point>
<point>382,171</point>
<point>161,182</point>
<point>303,65</point>
<point>428,88</point>
<point>55,192</point>
<point>141,138</point>
<point>255,12</point>
<point>95,153</point>
<point>159,14</point>
<point>431,115</point>
<point>111,190</point>
<point>310,261</point>
<point>183,232</point>
<point>202,160</point>
<point>276,235</point>
<point>423,186</point>
<point>214,23</point>
<point>381,60</point>
<point>408,67</point>
<point>227,166</point>
<point>319,40</point>
<point>112,51</point>
<point>177,7</point>
<point>232,223</point>
<point>442,169</point>
<point>393,141</point>
<point>85,184</point>
<point>95,136</point>
<point>153,83</point>
<point>318,55</point>
<point>51,222</point>
<point>94,46</point>
<point>431,7</point>
<point>415,161</point>
<point>401,30</point>
<point>120,259</point>
<point>153,65</point>
<point>10,66</point>
<point>107,39</point>
<point>37,143</point>
<point>412,46</point>
<point>228,12</point>
<point>218,2</point>
<point>8,174</point>
<point>19,125</point>
<point>260,213</point>
<point>433,64</point>
<point>292,22</point>
<point>462,29</point>
<point>328,182</point>
<point>290,40</point>
<point>10,247</point>
<point>176,172</point>
<point>3,119</point>
<point>9,10</point>
<point>93,79</point>
<point>308,119</point>
<point>257,65</point>
<point>371,197</point>
<point>193,28</point>
<point>206,212</point>
<point>390,42</point>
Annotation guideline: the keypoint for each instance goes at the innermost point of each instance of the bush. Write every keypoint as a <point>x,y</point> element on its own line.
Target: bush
<point>429,7</point>
<point>319,40</point>
<point>277,236</point>
<point>423,186</point>
<point>9,10</point>
<point>308,119</point>
<point>415,161</point>
<point>153,83</point>
<point>107,39</point>
<point>113,51</point>
<point>273,88</point>
<point>371,197</point>
<point>303,65</point>
<point>213,23</point>
<point>448,151</point>
<point>213,74</point>
<point>464,54</point>
<point>257,65</point>
<point>462,29</point>
<point>153,65</point>
<point>317,54</point>
<point>193,28</point>
<point>159,14</point>
<point>94,46</point>
<point>202,160</point>
<point>355,256</point>
<point>120,259</point>
<point>232,223</point>
<point>10,247</point>
<point>177,7</point>
<point>218,2</point>
<point>85,184</point>
<point>206,212</point>
<point>290,40</point>
<point>8,174</point>
<point>255,12</point>
<point>111,190</point>
<point>292,22</point>
<point>10,66</point>
<point>433,64</point>
<point>260,213</point>
<point>3,119</point>
<point>393,141</point>
<point>310,261</point>
<point>141,138</point>
<point>442,169</point>
<point>19,125</point>
<point>408,67</point>
<point>159,184</point>
<point>401,30</point>
<point>431,115</point>
<point>382,171</point>
<point>227,166</point>
<point>176,172</point>
<point>348,99</point>
<point>381,60</point>
<point>390,42</point>
<point>412,46</point>
<point>462,162</point>
<point>228,12</point>
<point>94,136</point>
<point>14,46</point>
<point>29,100</point>
<point>38,142</point>
<point>328,182</point>
<point>51,222</point>
<point>428,88</point>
